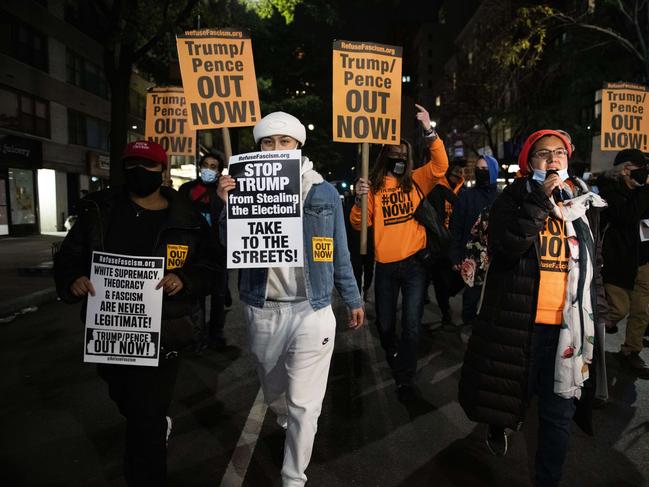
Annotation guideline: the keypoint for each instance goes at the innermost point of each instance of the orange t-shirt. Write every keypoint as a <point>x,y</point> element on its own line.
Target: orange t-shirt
<point>554,254</point>
<point>397,235</point>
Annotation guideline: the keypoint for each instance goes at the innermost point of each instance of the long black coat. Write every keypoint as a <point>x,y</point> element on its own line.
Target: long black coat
<point>493,384</point>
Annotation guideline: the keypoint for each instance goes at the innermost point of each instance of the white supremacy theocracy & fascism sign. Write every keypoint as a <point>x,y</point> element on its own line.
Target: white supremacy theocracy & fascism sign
<point>123,317</point>
<point>264,210</point>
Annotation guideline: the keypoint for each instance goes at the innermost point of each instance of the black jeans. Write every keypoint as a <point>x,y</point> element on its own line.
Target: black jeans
<point>143,396</point>
<point>409,277</point>
<point>555,412</point>
<point>363,266</point>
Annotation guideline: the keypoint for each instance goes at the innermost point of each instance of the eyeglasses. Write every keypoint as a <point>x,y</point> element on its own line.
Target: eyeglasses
<point>546,153</point>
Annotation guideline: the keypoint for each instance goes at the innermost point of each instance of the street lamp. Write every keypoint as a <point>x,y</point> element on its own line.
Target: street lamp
<point>310,126</point>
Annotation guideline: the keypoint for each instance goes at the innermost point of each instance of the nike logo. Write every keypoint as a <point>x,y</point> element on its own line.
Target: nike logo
<point>325,341</point>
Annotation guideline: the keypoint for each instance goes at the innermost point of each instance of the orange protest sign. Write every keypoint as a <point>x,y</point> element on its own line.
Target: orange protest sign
<point>625,117</point>
<point>166,121</point>
<point>366,92</point>
<point>219,79</point>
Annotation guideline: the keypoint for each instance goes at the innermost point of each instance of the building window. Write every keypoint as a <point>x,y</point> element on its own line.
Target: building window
<point>24,113</point>
<point>86,130</point>
<point>23,42</point>
<point>137,104</point>
<point>85,74</point>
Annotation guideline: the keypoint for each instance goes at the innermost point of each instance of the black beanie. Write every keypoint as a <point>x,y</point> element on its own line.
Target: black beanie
<point>634,156</point>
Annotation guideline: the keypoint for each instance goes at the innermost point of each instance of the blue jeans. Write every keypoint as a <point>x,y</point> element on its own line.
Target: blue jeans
<point>555,412</point>
<point>408,276</point>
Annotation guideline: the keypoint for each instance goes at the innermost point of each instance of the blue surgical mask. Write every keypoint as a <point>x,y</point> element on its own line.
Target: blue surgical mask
<point>539,175</point>
<point>208,175</point>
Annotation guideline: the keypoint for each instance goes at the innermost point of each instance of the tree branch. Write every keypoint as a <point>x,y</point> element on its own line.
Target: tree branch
<point>624,42</point>
<point>164,28</point>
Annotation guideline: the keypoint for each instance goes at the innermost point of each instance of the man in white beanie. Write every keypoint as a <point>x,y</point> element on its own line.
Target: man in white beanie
<point>288,309</point>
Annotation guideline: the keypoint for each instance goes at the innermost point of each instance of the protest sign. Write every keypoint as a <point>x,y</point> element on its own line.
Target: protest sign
<point>219,79</point>
<point>123,317</point>
<point>625,117</point>
<point>264,210</point>
<point>166,121</point>
<point>366,92</point>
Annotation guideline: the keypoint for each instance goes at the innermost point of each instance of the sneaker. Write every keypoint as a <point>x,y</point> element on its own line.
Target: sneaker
<point>634,362</point>
<point>497,441</point>
<point>282,420</point>
<point>170,424</point>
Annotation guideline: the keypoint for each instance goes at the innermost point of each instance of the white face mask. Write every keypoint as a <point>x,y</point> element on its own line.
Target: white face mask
<point>208,175</point>
<point>539,175</point>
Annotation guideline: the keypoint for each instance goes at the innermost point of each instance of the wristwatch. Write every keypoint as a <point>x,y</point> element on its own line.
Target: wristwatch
<point>430,130</point>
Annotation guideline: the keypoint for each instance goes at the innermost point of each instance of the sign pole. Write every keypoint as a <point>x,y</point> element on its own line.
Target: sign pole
<point>365,169</point>
<point>227,145</point>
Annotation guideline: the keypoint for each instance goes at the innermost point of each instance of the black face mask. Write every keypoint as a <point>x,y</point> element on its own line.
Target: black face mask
<point>482,177</point>
<point>397,166</point>
<point>141,182</point>
<point>640,175</point>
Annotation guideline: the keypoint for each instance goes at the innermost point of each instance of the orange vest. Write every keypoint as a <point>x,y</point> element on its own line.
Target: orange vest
<point>554,255</point>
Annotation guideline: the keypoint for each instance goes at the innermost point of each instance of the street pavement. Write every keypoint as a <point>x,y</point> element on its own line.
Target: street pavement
<point>59,428</point>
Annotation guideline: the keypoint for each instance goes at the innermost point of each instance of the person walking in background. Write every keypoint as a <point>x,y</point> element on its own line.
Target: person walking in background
<point>626,252</point>
<point>363,265</point>
<point>202,194</point>
<point>465,213</point>
<point>445,281</point>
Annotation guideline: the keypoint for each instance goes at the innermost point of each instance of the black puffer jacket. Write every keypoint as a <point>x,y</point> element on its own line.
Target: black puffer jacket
<point>493,384</point>
<point>183,227</point>
<point>623,251</point>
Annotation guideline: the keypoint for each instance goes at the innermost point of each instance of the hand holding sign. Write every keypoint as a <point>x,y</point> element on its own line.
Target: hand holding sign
<point>361,187</point>
<point>82,286</point>
<point>171,284</point>
<point>225,185</point>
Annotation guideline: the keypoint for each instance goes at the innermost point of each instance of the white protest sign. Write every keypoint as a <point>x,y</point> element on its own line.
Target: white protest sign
<point>264,210</point>
<point>123,317</point>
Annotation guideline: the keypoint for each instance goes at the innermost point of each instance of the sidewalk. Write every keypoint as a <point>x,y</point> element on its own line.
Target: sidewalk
<point>25,272</point>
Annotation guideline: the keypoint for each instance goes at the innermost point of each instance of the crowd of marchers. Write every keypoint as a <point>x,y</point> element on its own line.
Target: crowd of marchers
<point>546,266</point>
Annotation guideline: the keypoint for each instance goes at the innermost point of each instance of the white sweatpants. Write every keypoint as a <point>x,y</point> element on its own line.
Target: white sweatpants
<point>292,346</point>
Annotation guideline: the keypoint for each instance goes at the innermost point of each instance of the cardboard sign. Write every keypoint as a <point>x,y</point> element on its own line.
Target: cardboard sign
<point>625,117</point>
<point>123,317</point>
<point>264,211</point>
<point>219,79</point>
<point>366,92</point>
<point>166,121</point>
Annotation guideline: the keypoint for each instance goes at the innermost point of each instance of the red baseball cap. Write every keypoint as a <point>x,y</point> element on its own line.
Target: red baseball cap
<point>145,149</point>
<point>524,156</point>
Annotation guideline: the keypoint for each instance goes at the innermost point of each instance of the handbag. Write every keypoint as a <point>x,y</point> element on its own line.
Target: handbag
<point>438,237</point>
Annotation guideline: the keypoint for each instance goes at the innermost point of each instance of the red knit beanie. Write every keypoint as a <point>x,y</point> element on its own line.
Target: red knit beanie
<point>524,156</point>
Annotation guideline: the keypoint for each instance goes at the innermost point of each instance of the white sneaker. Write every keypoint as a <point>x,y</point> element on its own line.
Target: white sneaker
<point>170,424</point>
<point>282,420</point>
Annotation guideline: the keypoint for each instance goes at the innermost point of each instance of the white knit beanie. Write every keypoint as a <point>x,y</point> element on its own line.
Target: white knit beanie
<point>279,123</point>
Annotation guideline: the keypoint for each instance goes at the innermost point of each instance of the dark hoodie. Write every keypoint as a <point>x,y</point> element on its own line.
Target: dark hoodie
<point>468,207</point>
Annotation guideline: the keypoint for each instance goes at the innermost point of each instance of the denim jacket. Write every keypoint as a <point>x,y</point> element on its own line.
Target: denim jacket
<point>323,217</point>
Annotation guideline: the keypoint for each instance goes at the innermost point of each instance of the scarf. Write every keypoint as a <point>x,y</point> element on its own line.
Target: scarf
<point>577,334</point>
